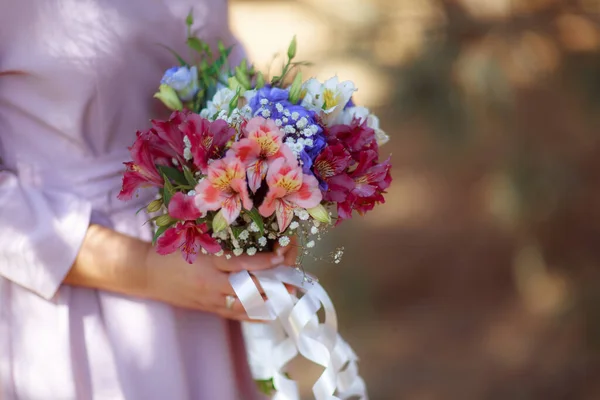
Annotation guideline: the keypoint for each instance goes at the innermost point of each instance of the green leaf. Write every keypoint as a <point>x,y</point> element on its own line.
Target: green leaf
<point>196,44</point>
<point>237,230</point>
<point>242,77</point>
<point>159,231</point>
<point>234,100</point>
<point>177,56</point>
<point>260,80</point>
<point>173,173</point>
<point>189,177</point>
<point>233,83</point>
<point>296,88</point>
<point>266,386</point>
<point>257,218</point>
<point>168,192</point>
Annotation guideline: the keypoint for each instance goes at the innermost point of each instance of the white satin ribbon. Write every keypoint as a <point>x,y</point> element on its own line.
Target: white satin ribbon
<point>295,328</point>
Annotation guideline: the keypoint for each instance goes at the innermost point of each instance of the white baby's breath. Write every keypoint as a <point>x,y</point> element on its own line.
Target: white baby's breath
<point>284,241</point>
<point>262,241</point>
<point>253,227</point>
<point>302,214</point>
<point>244,235</point>
<point>310,244</point>
<point>314,230</point>
<point>251,251</point>
<point>238,252</point>
<point>302,122</point>
<point>187,150</point>
<point>219,253</point>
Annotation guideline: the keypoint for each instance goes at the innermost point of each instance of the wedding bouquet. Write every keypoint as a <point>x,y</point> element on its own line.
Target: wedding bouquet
<point>246,161</point>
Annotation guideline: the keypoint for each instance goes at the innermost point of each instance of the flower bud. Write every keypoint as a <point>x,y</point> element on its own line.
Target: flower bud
<point>168,96</point>
<point>296,89</point>
<point>320,214</point>
<point>154,206</point>
<point>219,222</point>
<point>163,220</point>
<point>183,80</point>
<point>292,49</point>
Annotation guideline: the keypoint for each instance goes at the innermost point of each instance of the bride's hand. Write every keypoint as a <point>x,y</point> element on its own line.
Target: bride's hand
<point>204,284</point>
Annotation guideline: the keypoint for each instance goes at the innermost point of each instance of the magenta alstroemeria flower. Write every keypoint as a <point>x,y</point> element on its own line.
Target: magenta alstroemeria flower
<point>208,139</point>
<point>147,151</point>
<point>289,188</point>
<point>261,146</point>
<point>355,137</point>
<point>331,167</point>
<point>169,131</point>
<point>189,237</point>
<point>183,207</point>
<point>224,189</point>
<point>371,179</point>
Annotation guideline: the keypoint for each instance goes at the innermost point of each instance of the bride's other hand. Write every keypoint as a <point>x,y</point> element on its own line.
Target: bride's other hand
<point>203,285</point>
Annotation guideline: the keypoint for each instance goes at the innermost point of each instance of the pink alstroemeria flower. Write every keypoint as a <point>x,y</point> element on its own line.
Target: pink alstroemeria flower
<point>224,188</point>
<point>183,207</point>
<point>146,152</point>
<point>289,188</point>
<point>261,146</point>
<point>190,238</point>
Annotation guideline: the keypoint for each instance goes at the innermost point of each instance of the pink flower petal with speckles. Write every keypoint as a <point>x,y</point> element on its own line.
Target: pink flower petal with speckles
<point>183,207</point>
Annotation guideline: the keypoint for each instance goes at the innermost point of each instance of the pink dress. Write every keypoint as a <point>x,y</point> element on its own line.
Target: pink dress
<point>76,82</point>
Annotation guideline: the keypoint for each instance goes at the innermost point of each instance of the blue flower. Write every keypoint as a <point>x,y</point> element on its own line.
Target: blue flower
<point>307,162</point>
<point>268,96</point>
<point>183,80</point>
<point>350,104</point>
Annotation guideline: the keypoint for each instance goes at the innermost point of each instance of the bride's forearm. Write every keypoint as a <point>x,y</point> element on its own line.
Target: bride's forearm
<point>111,261</point>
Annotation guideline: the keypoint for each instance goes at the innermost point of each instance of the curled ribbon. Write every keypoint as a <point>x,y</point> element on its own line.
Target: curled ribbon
<point>295,329</point>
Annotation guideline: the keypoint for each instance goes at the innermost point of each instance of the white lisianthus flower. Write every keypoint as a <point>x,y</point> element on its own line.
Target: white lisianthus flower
<point>328,99</point>
<point>220,102</point>
<point>363,114</point>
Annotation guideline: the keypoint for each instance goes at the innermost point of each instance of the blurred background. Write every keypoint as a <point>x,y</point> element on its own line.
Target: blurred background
<point>480,276</point>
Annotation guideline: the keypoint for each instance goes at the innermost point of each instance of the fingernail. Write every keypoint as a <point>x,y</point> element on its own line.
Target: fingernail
<point>277,260</point>
<point>280,251</point>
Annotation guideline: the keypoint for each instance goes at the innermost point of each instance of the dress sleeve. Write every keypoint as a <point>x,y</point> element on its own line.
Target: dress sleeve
<point>41,232</point>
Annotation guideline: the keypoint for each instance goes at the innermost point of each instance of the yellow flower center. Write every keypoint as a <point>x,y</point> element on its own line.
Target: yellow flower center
<point>289,184</point>
<point>329,99</point>
<point>325,169</point>
<point>268,147</point>
<point>362,179</point>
